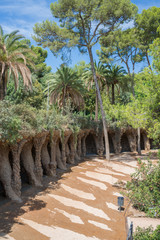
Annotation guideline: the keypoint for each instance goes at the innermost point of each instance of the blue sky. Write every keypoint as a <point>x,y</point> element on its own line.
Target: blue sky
<point>23,14</point>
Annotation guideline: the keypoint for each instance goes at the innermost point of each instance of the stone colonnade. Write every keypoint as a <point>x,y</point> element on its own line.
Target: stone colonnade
<point>44,153</point>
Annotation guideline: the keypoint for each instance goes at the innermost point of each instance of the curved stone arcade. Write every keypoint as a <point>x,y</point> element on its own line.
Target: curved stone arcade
<point>26,161</point>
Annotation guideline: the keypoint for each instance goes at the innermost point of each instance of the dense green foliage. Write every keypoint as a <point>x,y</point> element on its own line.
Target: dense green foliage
<point>147,233</point>
<point>130,99</point>
<point>144,188</point>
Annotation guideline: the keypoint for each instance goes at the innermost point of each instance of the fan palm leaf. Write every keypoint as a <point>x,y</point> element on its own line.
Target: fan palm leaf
<point>64,85</point>
<point>13,61</point>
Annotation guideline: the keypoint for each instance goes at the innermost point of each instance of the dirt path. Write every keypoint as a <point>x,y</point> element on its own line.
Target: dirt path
<point>80,205</point>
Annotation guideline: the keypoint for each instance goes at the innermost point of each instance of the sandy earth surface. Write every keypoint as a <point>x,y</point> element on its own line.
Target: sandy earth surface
<point>80,204</point>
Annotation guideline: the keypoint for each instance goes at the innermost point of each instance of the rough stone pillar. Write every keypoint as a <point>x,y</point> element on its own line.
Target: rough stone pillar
<point>64,142</point>
<point>67,153</point>
<point>72,145</point>
<point>116,139</point>
<point>46,160</point>
<point>6,173</point>
<point>38,142</point>
<point>132,140</point>
<point>79,144</point>
<point>84,142</point>
<point>147,146</point>
<point>16,178</point>
<point>59,158</point>
<point>53,144</point>
<point>28,163</point>
<point>98,138</point>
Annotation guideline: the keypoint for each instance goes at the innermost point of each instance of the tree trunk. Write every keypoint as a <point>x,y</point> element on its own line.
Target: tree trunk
<point>101,105</point>
<point>96,108</point>
<point>139,140</point>
<point>149,65</point>
<point>2,87</point>
<point>113,100</point>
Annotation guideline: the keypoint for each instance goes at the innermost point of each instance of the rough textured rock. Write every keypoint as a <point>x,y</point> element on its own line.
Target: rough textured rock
<point>72,148</point>
<point>16,178</point>
<point>116,139</point>
<point>6,173</point>
<point>131,134</point>
<point>64,141</point>
<point>49,151</point>
<point>79,144</point>
<point>38,142</point>
<point>28,163</point>
<point>146,141</point>
<point>46,160</point>
<point>83,143</point>
<point>60,164</point>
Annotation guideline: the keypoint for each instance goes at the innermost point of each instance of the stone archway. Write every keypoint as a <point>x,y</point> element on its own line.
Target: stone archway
<point>90,144</point>
<point>125,143</point>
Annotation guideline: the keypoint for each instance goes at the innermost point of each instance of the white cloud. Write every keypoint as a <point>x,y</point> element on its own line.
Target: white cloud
<point>30,8</point>
<point>22,15</point>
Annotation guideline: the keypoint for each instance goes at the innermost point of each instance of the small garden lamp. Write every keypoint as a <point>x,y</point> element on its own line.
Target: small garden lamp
<point>120,202</point>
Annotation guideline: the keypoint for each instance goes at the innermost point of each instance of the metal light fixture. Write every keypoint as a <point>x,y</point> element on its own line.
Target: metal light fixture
<point>120,202</point>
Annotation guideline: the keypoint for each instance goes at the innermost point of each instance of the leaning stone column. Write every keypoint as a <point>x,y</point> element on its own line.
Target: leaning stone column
<point>84,142</point>
<point>132,140</point>
<point>116,139</point>
<point>72,145</point>
<point>64,142</point>
<point>98,138</point>
<point>28,163</point>
<point>6,173</point>
<point>46,160</point>
<point>147,146</point>
<point>59,158</point>
<point>54,142</point>
<point>79,144</point>
<point>38,142</point>
<point>16,178</point>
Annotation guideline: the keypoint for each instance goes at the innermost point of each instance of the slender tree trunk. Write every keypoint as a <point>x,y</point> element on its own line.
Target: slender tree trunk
<point>139,140</point>
<point>2,87</point>
<point>64,102</point>
<point>113,98</point>
<point>149,65</point>
<point>96,108</point>
<point>132,83</point>
<point>132,78</point>
<point>101,105</point>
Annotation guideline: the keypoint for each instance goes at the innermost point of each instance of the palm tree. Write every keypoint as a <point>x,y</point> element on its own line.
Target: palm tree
<point>65,85</point>
<point>13,61</point>
<point>89,81</point>
<point>114,76</point>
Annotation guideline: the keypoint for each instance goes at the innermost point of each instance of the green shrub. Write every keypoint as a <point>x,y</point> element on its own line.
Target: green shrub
<point>144,188</point>
<point>17,121</point>
<point>147,233</point>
